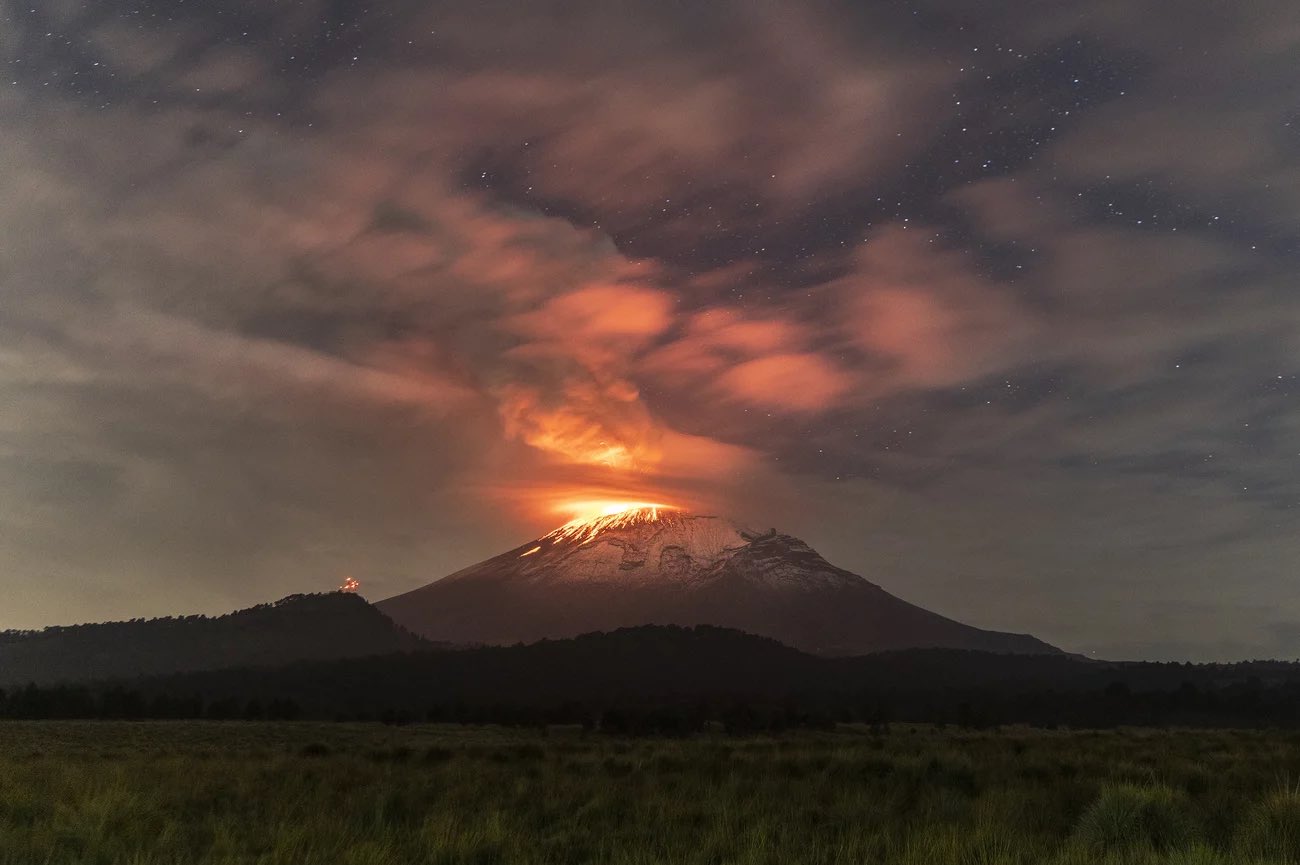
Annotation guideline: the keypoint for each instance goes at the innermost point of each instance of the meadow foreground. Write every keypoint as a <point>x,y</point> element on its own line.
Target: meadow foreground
<point>149,793</point>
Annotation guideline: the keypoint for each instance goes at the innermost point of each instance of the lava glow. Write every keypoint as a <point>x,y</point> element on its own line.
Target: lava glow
<point>349,585</point>
<point>595,517</point>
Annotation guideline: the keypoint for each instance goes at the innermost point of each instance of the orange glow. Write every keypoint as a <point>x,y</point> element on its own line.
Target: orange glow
<point>586,410</point>
<point>575,449</point>
<point>595,425</point>
<point>530,552</point>
<point>594,517</point>
<point>693,473</point>
<point>581,510</point>
<point>796,381</point>
<point>349,585</point>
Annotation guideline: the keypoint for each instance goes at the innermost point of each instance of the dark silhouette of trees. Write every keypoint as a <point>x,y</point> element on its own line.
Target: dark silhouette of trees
<point>670,681</point>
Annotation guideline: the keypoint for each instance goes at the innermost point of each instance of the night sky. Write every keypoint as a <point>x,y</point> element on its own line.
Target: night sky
<point>992,303</point>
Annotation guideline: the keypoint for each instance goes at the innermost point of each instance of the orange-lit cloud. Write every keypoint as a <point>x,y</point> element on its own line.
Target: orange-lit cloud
<point>694,473</point>
<point>792,382</point>
<point>573,397</point>
<point>600,313</point>
<point>727,329</point>
<point>760,361</point>
<point>582,422</point>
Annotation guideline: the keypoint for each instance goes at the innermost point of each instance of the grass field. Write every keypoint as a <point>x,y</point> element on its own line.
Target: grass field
<point>202,792</point>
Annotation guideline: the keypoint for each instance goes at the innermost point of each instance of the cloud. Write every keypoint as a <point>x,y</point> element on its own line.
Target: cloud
<point>926,319</point>
<point>728,330</point>
<point>717,338</point>
<point>790,382</point>
<point>584,421</point>
<point>753,360</point>
<point>586,409</point>
<point>597,319</point>
<point>660,135</point>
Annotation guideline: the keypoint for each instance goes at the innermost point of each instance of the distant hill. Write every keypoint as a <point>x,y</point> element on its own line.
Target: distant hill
<point>653,566</point>
<point>297,628</point>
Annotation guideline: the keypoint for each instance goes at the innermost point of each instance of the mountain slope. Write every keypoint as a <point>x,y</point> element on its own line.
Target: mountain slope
<point>653,566</point>
<point>300,627</point>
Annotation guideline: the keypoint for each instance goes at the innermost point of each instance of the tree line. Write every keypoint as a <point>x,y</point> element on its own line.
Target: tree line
<point>1240,704</point>
<point>673,681</point>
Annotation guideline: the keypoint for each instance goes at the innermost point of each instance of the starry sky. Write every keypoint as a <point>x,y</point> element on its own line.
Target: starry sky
<point>992,303</point>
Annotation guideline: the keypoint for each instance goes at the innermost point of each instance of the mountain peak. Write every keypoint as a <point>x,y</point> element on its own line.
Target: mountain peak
<point>638,544</point>
<point>622,515</point>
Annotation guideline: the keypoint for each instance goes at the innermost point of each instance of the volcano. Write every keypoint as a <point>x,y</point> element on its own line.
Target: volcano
<point>655,566</point>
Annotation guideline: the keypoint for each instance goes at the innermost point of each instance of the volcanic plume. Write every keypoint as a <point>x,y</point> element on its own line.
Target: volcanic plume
<point>650,564</point>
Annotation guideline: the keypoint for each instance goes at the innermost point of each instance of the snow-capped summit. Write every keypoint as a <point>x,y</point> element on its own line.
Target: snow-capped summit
<point>637,545</point>
<point>652,564</point>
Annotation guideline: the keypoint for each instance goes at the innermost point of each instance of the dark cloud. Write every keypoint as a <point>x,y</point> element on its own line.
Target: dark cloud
<point>994,305</point>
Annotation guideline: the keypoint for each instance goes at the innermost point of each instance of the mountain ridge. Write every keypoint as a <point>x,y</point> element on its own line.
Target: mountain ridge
<point>299,627</point>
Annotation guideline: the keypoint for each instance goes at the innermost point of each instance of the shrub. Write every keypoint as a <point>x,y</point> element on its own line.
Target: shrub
<point>1127,817</point>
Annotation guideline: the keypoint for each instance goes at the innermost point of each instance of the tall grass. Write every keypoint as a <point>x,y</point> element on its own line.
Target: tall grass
<point>207,793</point>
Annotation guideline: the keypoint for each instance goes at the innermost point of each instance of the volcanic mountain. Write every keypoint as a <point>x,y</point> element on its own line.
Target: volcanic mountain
<point>651,565</point>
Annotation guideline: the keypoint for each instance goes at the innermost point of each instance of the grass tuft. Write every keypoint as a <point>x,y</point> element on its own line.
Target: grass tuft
<point>1271,829</point>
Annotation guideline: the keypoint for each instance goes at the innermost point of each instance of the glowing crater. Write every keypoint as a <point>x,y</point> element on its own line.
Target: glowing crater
<point>597,517</point>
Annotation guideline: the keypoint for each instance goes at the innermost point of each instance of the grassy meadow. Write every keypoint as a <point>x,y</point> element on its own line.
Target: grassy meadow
<point>148,793</point>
